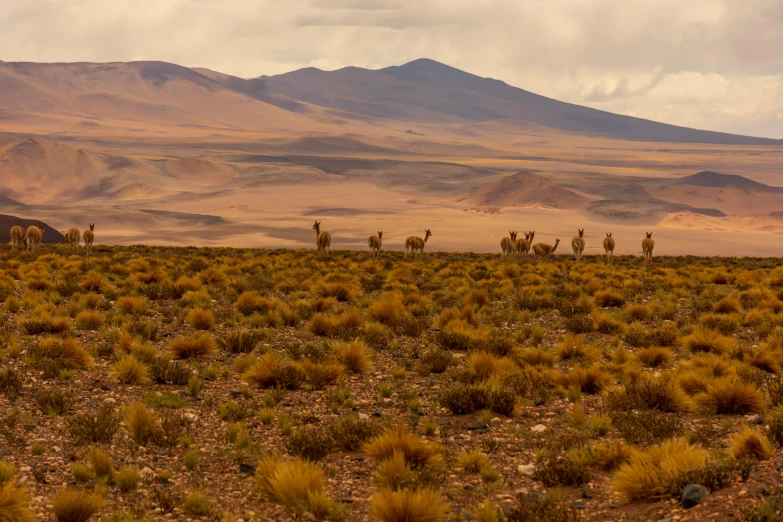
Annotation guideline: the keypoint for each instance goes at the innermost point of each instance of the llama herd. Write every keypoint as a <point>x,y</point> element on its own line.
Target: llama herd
<point>510,246</point>
<point>33,236</point>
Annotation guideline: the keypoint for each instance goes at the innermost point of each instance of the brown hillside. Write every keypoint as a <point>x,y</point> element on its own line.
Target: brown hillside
<point>524,189</point>
<point>6,222</point>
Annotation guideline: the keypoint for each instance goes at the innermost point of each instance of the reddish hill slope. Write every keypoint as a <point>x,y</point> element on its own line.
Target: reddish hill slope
<point>527,189</point>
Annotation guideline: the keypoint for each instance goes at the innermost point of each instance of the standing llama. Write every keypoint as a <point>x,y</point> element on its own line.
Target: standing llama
<point>72,237</point>
<point>89,238</point>
<point>609,247</point>
<point>509,245</point>
<point>375,243</point>
<point>647,248</point>
<point>323,240</point>
<point>18,237</point>
<point>544,250</point>
<point>578,244</point>
<point>34,237</point>
<point>523,245</point>
<point>414,243</point>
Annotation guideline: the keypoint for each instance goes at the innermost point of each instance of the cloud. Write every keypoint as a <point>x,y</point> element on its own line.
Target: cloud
<point>704,63</point>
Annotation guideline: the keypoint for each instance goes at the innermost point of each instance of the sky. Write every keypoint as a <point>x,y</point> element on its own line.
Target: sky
<point>707,64</point>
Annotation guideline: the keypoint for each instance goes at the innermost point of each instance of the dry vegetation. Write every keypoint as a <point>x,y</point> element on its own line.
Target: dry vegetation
<point>221,384</point>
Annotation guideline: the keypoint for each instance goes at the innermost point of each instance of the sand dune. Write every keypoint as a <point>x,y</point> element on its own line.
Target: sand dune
<point>758,223</point>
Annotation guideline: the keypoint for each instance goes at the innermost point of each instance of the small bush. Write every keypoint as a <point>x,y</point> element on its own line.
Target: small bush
<point>53,355</point>
<point>608,299</point>
<point>129,370</point>
<point>646,475</point>
<point>133,305</point>
<point>71,505</point>
<point>727,396</point>
<point>89,320</point>
<point>309,443</point>
<point>654,356</point>
<point>293,484</point>
<point>349,433</point>
<point>272,371</point>
<point>94,428</point>
<point>541,508</point>
<point>354,356</point>
<point>192,347</point>
<point>201,319</point>
<point>101,463</point>
<point>127,479</point>
<point>239,341</point>
<point>417,454</point>
<point>54,402</point>
<point>750,443</point>
<point>706,341</point>
<point>424,505</point>
<point>196,504</point>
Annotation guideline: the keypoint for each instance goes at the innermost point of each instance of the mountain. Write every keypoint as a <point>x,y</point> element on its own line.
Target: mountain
<point>526,189</point>
<point>427,91</point>
<point>6,222</point>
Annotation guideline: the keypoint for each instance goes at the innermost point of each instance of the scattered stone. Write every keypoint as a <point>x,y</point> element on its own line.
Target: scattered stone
<point>692,495</point>
<point>478,425</point>
<point>247,468</point>
<point>578,504</point>
<point>763,489</point>
<point>147,474</point>
<point>5,451</point>
<point>377,414</point>
<point>363,416</point>
<point>388,402</point>
<point>538,428</point>
<point>587,492</point>
<point>526,469</point>
<point>615,505</point>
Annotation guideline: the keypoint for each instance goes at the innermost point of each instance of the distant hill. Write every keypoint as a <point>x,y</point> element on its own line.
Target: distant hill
<point>524,188</point>
<point>729,193</point>
<point>428,91</point>
<point>5,201</point>
<point>708,178</point>
<point>6,222</point>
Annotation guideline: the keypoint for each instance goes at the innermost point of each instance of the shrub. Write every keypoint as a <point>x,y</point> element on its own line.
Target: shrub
<point>196,504</point>
<point>349,433</point>
<point>52,355</point>
<point>646,475</point>
<point>472,461</point>
<point>354,356</point>
<point>417,454</point>
<point>141,422</point>
<point>187,347</point>
<point>293,484</point>
<point>724,324</point>
<point>750,443</point>
<point>423,505</point>
<point>648,393</point>
<point>201,319</point>
<point>591,380</point>
<point>338,290</point>
<point>101,463</point>
<point>647,426</point>
<point>388,309</point>
<point>89,320</point>
<point>94,428</point>
<point>727,305</point>
<point>127,479</point>
<point>15,503</point>
<point>553,469</point>
<point>461,398</point>
<point>133,305</point>
<point>574,348</point>
<point>611,455</point>
<point>54,402</point>
<point>239,341</point>
<point>637,312</point>
<point>129,370</point>
<point>322,325</point>
<point>435,360</point>
<point>654,356</point>
<point>309,443</point>
<point>608,299</point>
<point>729,396</point>
<point>272,371</point>
<point>541,508</point>
<point>706,341</point>
<point>71,505</point>
<point>10,383</point>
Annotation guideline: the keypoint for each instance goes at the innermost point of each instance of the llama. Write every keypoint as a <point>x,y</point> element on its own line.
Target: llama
<point>34,237</point>
<point>578,244</point>
<point>609,247</point>
<point>72,237</point>
<point>543,250</point>
<point>647,248</point>
<point>89,237</point>
<point>18,236</point>
<point>522,247</point>
<point>414,243</point>
<point>375,243</point>
<point>508,245</point>
<point>323,240</point>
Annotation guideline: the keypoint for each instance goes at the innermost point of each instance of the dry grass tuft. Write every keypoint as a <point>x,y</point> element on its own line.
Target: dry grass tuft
<point>731,396</point>
<point>293,484</point>
<point>416,453</point>
<point>354,356</point>
<point>192,347</point>
<point>129,370</point>
<point>646,475</point>
<point>750,443</point>
<point>70,505</point>
<point>405,506</point>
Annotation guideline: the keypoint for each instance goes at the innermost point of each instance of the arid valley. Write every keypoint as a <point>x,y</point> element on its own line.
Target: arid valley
<point>156,153</point>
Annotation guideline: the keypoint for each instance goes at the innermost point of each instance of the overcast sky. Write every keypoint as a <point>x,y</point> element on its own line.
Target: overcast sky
<point>709,64</point>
